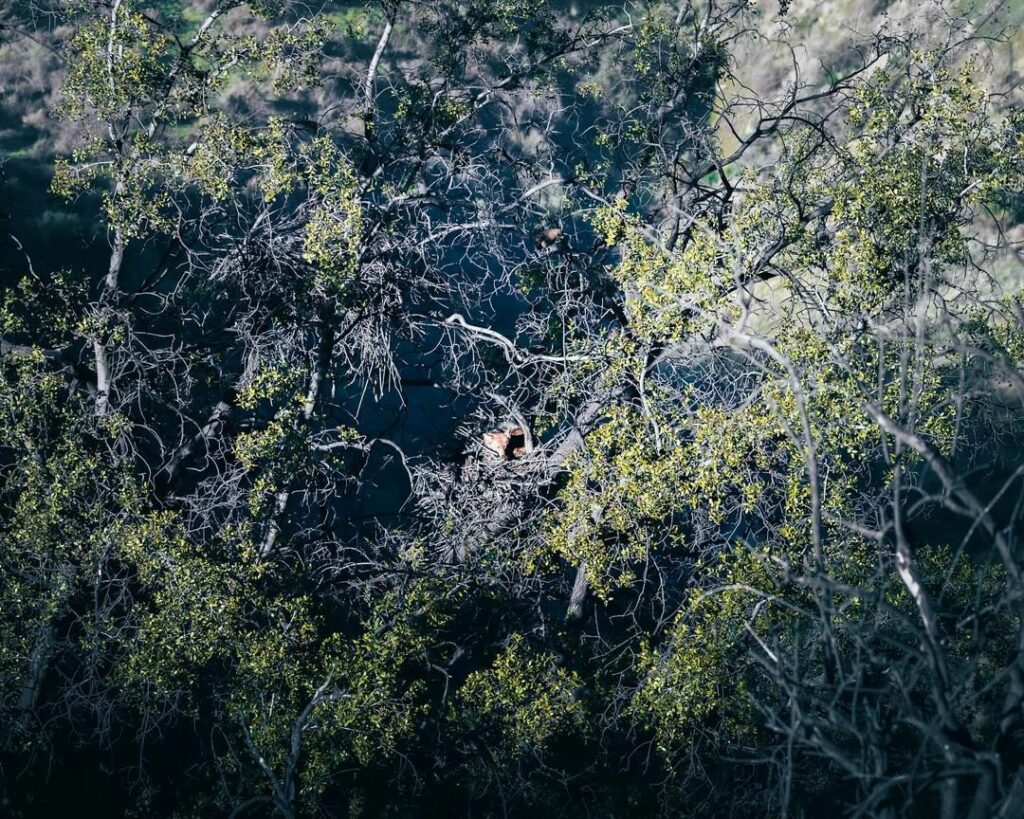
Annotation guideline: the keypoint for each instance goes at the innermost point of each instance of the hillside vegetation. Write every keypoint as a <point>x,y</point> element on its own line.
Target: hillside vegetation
<point>509,408</point>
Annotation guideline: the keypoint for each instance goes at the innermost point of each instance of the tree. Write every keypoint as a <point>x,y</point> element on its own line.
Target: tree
<point>753,366</point>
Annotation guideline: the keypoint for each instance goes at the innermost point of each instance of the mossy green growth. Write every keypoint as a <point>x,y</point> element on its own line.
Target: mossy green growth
<point>694,685</point>
<point>523,701</point>
<point>334,226</point>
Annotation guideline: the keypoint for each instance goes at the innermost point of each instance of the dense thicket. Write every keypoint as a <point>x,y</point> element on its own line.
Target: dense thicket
<point>507,407</point>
